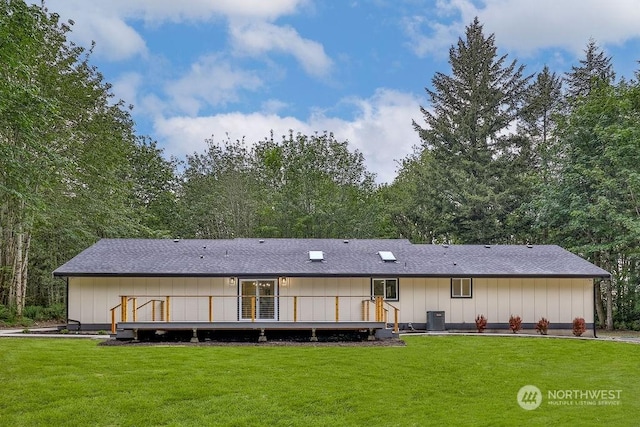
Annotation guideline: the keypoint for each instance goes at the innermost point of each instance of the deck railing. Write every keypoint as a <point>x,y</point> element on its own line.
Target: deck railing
<point>156,308</point>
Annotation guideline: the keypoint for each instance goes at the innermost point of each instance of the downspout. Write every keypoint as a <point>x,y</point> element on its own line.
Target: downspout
<point>66,279</point>
<point>595,311</point>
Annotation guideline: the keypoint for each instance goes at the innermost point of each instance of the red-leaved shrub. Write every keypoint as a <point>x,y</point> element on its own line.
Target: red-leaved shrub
<point>579,326</point>
<point>515,323</point>
<point>542,326</point>
<point>481,323</point>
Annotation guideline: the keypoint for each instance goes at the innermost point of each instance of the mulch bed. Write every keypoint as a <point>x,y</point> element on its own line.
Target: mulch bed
<point>378,343</point>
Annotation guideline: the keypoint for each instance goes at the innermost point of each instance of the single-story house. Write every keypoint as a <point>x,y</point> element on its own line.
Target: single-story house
<point>128,285</point>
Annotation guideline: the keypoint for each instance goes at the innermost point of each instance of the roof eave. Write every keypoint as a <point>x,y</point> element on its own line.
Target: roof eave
<point>340,274</point>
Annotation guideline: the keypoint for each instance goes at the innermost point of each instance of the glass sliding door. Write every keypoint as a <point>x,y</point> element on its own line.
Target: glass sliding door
<point>258,299</point>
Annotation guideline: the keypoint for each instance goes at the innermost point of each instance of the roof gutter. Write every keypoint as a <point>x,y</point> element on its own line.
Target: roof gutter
<point>342,274</point>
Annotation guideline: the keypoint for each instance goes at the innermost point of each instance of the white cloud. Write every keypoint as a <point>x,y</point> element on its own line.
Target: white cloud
<point>381,129</point>
<point>151,106</point>
<point>115,40</point>
<point>158,11</point>
<point>105,22</point>
<point>273,106</point>
<point>182,135</point>
<point>527,26</point>
<point>211,81</point>
<point>440,37</point>
<point>126,87</point>
<point>256,38</point>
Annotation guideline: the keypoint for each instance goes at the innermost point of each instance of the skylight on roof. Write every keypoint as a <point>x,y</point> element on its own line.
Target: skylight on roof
<point>316,256</point>
<point>387,256</point>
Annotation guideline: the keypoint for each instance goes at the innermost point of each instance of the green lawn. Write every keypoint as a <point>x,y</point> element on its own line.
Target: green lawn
<point>435,380</point>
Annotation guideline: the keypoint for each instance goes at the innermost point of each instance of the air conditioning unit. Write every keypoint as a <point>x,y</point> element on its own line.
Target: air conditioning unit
<point>435,320</point>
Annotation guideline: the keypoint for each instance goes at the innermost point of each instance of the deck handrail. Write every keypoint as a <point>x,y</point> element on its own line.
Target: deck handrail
<point>153,308</point>
<point>381,312</point>
<point>396,312</point>
<point>113,318</point>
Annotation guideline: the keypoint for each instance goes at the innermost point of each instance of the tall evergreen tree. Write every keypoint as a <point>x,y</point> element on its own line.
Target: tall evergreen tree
<point>594,68</point>
<point>469,143</point>
<point>542,101</point>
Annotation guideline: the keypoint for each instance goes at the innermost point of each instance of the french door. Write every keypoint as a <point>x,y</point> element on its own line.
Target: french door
<point>258,299</point>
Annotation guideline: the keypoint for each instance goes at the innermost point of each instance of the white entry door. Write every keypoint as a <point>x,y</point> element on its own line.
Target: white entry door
<point>258,299</point>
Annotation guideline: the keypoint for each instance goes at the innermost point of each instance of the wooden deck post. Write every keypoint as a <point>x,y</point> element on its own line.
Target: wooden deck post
<point>168,307</point>
<point>337,308</point>
<point>123,308</point>
<point>153,311</point>
<point>295,308</point>
<point>113,320</point>
<point>162,311</point>
<point>365,310</point>
<point>135,309</point>
<point>396,328</point>
<point>210,308</point>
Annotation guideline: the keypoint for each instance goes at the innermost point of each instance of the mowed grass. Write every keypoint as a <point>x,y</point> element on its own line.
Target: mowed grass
<point>433,380</point>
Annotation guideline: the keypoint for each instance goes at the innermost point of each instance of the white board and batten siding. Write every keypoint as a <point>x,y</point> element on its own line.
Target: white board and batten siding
<point>91,298</point>
<point>560,300</point>
<point>316,298</point>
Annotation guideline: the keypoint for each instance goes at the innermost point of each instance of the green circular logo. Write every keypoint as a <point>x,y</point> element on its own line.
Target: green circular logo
<point>529,397</point>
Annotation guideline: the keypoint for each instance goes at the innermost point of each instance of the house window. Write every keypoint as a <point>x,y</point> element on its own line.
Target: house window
<point>385,288</point>
<point>461,288</point>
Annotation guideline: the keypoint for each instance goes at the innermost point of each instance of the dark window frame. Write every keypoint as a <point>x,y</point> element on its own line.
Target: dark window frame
<point>461,279</point>
<point>384,297</point>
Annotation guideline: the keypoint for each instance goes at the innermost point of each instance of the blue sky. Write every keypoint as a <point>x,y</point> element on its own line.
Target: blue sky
<point>193,69</point>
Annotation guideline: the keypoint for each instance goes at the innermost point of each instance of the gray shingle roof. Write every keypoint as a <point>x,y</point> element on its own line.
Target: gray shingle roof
<point>290,257</point>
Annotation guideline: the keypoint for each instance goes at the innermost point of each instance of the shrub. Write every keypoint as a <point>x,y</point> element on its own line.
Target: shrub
<point>6,314</point>
<point>56,312</point>
<point>481,323</point>
<point>23,321</point>
<point>34,312</point>
<point>542,326</point>
<point>38,313</point>
<point>579,326</point>
<point>515,323</point>
<point>630,325</point>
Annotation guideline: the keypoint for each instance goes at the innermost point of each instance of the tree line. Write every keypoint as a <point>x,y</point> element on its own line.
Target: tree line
<point>506,157</point>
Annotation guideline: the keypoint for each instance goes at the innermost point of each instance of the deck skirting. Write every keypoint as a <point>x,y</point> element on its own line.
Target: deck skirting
<point>272,325</point>
<point>129,330</point>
